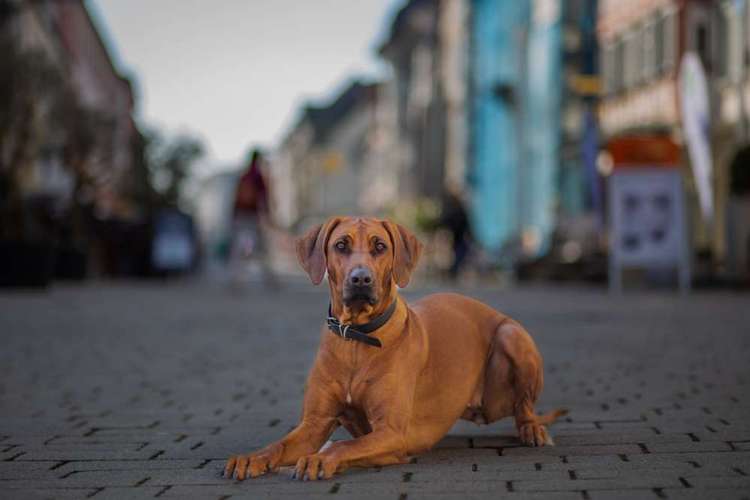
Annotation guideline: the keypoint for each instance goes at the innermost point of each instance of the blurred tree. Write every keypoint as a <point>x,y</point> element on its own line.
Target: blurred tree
<point>170,164</point>
<point>139,186</point>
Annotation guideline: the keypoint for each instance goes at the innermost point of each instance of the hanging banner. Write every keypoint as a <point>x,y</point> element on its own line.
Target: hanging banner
<point>694,104</point>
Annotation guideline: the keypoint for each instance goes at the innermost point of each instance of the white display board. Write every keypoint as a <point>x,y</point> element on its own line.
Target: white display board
<point>647,223</point>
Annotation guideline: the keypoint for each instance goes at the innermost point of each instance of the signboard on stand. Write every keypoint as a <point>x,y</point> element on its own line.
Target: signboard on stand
<point>647,223</point>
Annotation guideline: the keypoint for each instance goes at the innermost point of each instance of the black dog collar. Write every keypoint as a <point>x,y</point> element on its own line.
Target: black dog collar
<point>360,332</point>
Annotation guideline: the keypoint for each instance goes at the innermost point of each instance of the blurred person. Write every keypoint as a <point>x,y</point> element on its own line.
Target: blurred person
<point>250,225</point>
<point>455,219</point>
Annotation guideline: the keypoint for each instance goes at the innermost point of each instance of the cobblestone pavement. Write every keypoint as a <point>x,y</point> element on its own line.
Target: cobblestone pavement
<point>142,390</point>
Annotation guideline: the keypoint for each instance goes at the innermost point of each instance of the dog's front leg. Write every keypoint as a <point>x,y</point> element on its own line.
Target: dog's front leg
<point>388,415</point>
<point>318,422</point>
<point>381,447</point>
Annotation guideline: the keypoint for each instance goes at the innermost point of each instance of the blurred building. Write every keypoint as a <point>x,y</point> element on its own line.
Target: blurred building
<point>69,41</point>
<point>643,44</point>
<point>68,190</point>
<point>731,134</point>
<point>100,86</point>
<point>336,159</point>
<point>497,87</point>
<point>533,85</point>
<point>426,50</point>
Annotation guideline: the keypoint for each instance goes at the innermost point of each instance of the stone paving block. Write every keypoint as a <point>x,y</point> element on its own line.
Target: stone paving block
<point>499,493</point>
<point>85,479</point>
<point>734,433</point>
<point>124,465</point>
<point>458,456</point>
<point>45,493</point>
<point>573,450</point>
<point>705,494</point>
<point>560,428</point>
<point>255,489</point>
<point>128,493</point>
<point>598,484</point>
<point>484,474</point>
<point>689,446</point>
<point>89,447</point>
<point>525,460</point>
<point>83,454</point>
<point>739,482</point>
<point>110,440</point>
<point>630,494</point>
<point>164,477</point>
<point>444,487</point>
<point>629,437</point>
<point>33,470</point>
<point>627,469</point>
<point>733,458</point>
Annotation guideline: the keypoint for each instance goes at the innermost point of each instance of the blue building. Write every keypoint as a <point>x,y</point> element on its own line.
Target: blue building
<point>496,79</point>
<point>532,129</point>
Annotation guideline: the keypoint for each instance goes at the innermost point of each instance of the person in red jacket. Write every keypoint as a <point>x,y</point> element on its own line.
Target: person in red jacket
<point>250,222</point>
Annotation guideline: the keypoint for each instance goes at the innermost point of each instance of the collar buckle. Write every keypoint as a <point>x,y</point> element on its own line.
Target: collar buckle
<point>343,330</point>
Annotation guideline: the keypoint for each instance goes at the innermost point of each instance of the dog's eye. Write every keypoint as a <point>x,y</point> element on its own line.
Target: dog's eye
<point>380,247</point>
<point>340,246</point>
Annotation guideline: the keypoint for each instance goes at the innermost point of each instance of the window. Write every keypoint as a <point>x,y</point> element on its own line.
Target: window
<point>649,52</point>
<point>618,63</point>
<point>731,49</point>
<point>659,44</point>
<point>631,60</point>
<point>701,44</point>
<point>723,40</point>
<point>607,66</point>
<point>670,41</point>
<point>665,41</point>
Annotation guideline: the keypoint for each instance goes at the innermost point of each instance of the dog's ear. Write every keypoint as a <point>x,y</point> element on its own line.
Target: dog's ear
<point>311,250</point>
<point>406,251</point>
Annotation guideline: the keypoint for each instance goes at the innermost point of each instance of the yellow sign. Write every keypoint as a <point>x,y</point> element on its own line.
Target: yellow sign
<point>332,162</point>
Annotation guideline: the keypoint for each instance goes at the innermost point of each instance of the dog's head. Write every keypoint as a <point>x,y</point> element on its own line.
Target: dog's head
<point>365,259</point>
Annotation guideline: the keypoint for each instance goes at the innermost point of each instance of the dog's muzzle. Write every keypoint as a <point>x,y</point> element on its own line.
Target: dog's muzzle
<point>359,287</point>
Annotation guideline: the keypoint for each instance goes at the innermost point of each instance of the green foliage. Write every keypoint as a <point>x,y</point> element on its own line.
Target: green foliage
<point>168,163</point>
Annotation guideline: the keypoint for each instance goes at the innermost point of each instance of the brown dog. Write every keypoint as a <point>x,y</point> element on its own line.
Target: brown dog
<point>444,358</point>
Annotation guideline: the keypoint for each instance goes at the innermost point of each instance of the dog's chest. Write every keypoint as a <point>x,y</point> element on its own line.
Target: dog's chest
<point>353,393</point>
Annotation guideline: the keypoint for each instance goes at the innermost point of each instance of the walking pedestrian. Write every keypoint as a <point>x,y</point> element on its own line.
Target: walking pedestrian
<point>250,224</point>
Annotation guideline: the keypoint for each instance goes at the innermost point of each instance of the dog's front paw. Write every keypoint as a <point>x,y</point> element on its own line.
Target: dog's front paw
<point>533,434</point>
<point>255,464</point>
<point>314,467</point>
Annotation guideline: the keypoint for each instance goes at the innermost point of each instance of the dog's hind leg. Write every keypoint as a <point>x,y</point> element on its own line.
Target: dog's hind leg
<point>514,381</point>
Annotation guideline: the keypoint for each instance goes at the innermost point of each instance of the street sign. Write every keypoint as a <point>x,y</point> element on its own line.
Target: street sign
<point>647,223</point>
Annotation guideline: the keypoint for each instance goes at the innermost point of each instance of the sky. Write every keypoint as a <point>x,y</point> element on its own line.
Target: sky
<point>236,72</point>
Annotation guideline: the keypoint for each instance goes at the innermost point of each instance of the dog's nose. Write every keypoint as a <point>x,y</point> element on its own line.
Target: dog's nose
<point>360,276</point>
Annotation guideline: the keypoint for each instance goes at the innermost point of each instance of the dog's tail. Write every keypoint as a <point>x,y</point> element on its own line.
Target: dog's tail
<point>550,417</point>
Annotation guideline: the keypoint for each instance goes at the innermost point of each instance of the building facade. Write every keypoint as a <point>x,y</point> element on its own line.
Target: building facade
<point>534,83</point>
<point>426,51</point>
<point>731,135</point>
<point>643,45</point>
<point>338,158</point>
<point>90,89</point>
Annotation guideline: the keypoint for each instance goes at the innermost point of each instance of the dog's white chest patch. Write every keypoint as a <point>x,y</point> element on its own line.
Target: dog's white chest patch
<point>348,398</point>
